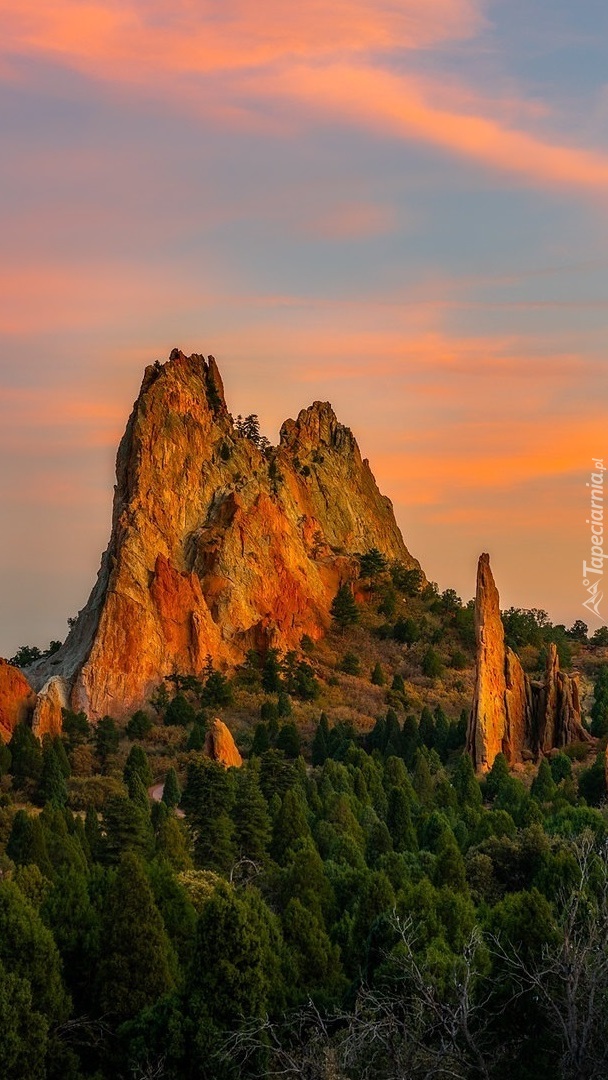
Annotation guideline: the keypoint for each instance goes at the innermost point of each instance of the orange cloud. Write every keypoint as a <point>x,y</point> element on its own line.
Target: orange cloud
<point>328,59</point>
<point>224,35</point>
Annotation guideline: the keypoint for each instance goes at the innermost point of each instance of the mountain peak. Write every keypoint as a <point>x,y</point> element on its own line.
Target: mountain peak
<point>217,545</point>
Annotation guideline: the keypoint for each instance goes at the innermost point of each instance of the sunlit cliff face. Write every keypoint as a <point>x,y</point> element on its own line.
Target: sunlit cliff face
<point>398,208</point>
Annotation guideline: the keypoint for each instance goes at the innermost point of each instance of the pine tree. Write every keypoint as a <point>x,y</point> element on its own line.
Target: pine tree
<point>410,740</point>
<point>26,755</point>
<point>399,821</point>
<point>52,787</point>
<point>136,965</point>
<point>377,675</point>
<point>137,765</point>
<point>344,610</point>
<point>288,740</point>
<point>107,737</point>
<point>271,672</point>
<point>261,740</point>
<point>171,790</point>
<point>319,743</point>
<point>291,824</point>
<point>251,817</point>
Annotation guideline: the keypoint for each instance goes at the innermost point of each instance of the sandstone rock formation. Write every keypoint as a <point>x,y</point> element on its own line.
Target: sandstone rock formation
<point>220,746</point>
<point>511,714</point>
<point>17,699</point>
<point>48,714</point>
<point>217,545</point>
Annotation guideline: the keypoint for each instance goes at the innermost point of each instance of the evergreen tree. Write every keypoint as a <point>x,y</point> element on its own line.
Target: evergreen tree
<point>179,712</point>
<point>52,787</point>
<point>196,738</point>
<point>218,691</point>
<point>399,821</point>
<point>27,950</point>
<point>377,675</point>
<point>26,755</point>
<point>171,790</point>
<point>406,631</point>
<point>251,817</point>
<point>107,738</point>
<point>442,733</point>
<point>410,740</point>
<point>398,685</point>
<point>372,563</point>
<point>127,827</point>
<point>432,666</point>
<point>426,728</point>
<point>24,1041</point>
<point>291,824</point>
<point>344,610</point>
<point>288,740</point>
<point>320,741</point>
<point>5,759</point>
<point>544,788</point>
<point>139,725</point>
<point>271,672</point>
<point>261,741</point>
<point>137,766</point>
<point>136,964</point>
<point>208,800</point>
<point>350,665</point>
<point>27,843</point>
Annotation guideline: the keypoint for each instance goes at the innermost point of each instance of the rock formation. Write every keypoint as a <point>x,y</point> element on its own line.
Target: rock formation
<point>221,747</point>
<point>17,699</point>
<point>48,711</point>
<point>218,544</point>
<point>511,714</point>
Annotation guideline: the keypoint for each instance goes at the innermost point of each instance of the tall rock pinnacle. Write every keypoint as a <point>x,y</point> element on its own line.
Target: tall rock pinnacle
<point>511,714</point>
<point>218,545</point>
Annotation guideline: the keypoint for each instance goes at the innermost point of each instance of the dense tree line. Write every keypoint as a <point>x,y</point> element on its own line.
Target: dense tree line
<point>379,912</point>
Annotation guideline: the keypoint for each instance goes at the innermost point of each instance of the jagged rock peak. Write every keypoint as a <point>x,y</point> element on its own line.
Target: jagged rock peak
<point>510,714</point>
<point>317,426</point>
<point>217,546</point>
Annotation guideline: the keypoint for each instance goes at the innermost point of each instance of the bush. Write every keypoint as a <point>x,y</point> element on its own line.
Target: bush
<point>350,664</point>
<point>432,666</point>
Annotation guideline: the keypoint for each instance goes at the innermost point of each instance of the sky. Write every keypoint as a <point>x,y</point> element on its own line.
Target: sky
<point>399,206</point>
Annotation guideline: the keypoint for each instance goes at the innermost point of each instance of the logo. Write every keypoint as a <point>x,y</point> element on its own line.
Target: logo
<point>593,571</point>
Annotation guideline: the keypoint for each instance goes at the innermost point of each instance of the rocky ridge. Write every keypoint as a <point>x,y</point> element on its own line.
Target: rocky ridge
<point>512,714</point>
<point>218,544</point>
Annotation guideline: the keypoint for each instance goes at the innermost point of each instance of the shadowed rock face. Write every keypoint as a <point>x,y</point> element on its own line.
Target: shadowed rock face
<point>17,699</point>
<point>216,547</point>
<point>511,714</point>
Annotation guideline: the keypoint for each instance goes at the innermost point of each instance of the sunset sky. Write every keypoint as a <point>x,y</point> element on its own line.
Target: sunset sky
<point>400,206</point>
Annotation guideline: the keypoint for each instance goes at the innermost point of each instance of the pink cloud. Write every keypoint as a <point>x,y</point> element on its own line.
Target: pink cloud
<point>319,59</point>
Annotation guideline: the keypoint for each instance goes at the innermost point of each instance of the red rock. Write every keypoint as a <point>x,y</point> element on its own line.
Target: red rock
<point>48,711</point>
<point>221,747</point>
<point>510,714</point>
<point>488,717</point>
<point>17,699</point>
<point>216,547</point>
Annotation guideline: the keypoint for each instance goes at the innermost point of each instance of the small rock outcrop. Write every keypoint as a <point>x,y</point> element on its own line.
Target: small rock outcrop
<point>221,747</point>
<point>511,714</point>
<point>219,544</point>
<point>17,699</point>
<point>48,711</point>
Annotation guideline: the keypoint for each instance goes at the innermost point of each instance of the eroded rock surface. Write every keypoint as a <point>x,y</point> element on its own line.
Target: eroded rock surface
<point>217,546</point>
<point>17,699</point>
<point>220,746</point>
<point>511,714</point>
